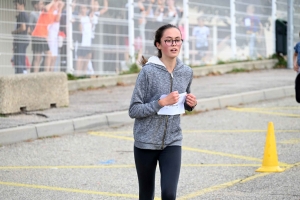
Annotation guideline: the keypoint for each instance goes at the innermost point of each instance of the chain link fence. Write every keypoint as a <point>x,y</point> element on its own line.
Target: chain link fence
<point>105,37</point>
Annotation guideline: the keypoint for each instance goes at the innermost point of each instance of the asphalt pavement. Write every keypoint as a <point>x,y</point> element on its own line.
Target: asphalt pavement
<point>221,150</point>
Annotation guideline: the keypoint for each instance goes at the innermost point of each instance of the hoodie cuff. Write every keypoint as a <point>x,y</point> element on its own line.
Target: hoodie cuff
<point>157,107</point>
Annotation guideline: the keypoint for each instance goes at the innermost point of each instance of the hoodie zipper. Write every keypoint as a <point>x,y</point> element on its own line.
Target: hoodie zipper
<point>167,117</point>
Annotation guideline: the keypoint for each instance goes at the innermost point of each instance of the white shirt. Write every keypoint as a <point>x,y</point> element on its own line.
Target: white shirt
<point>201,34</point>
<point>86,31</point>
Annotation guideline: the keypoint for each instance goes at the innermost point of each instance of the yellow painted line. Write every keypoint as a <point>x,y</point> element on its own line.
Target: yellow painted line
<point>68,190</point>
<point>187,148</point>
<point>218,187</point>
<point>111,136</point>
<point>221,154</point>
<point>263,112</point>
<point>237,131</point>
<point>220,165</point>
<point>228,184</point>
<point>120,166</point>
<point>68,167</point>
<point>292,141</point>
<point>206,131</point>
<point>270,108</point>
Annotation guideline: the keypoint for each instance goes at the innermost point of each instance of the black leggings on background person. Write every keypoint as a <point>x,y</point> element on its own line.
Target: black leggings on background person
<point>169,161</point>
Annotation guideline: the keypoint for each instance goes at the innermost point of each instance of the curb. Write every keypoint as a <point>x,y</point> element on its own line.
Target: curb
<point>56,128</point>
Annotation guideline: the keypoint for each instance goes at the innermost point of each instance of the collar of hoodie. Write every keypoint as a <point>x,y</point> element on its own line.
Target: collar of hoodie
<point>155,60</point>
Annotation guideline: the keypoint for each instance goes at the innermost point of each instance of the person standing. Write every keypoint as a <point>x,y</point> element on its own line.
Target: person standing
<point>164,83</point>
<point>40,34</point>
<point>84,51</point>
<point>21,39</point>
<point>53,30</point>
<point>253,30</point>
<point>201,34</point>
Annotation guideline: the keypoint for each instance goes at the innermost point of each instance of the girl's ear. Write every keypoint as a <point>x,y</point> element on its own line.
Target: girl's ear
<point>158,45</point>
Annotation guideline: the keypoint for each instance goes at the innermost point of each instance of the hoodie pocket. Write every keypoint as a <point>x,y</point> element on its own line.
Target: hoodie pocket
<point>174,130</point>
<point>149,130</point>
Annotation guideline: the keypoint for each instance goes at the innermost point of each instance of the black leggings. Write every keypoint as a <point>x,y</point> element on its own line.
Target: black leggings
<point>169,164</point>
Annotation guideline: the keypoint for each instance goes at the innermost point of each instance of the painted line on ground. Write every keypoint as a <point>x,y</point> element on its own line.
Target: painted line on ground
<point>68,190</point>
<point>119,166</point>
<point>263,112</point>
<point>188,148</point>
<point>229,184</point>
<point>291,141</point>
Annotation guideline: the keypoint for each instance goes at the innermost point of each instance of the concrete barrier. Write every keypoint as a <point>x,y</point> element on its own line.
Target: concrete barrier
<point>35,91</point>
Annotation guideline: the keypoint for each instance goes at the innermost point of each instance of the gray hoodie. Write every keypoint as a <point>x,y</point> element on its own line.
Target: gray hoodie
<point>152,131</point>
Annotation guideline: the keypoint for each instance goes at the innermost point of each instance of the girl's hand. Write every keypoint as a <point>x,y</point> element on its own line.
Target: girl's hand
<point>170,99</point>
<point>191,100</point>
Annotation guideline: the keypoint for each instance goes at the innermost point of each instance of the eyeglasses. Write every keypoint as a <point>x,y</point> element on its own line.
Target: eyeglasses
<point>170,42</point>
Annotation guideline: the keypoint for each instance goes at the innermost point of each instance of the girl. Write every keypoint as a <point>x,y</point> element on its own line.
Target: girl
<point>162,84</point>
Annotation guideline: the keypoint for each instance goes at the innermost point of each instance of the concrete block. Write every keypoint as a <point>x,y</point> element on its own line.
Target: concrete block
<point>55,128</point>
<point>18,134</point>
<point>230,100</point>
<point>119,118</point>
<point>35,91</point>
<point>251,97</point>
<point>207,104</point>
<point>274,93</point>
<point>85,123</point>
<point>127,79</point>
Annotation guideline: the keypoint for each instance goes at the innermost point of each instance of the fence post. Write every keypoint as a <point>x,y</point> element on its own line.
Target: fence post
<point>69,38</point>
<point>131,30</point>
<point>186,55</point>
<point>233,29</point>
<point>290,34</point>
<point>274,8</point>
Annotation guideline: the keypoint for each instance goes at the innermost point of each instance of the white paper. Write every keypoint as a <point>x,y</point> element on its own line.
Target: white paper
<point>175,109</point>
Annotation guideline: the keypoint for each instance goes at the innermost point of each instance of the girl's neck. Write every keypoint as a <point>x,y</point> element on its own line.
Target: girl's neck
<point>170,63</point>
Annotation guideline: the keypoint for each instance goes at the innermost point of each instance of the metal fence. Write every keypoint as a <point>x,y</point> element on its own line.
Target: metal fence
<point>101,37</point>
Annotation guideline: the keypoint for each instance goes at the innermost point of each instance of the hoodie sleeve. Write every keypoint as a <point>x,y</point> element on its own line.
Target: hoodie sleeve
<point>138,107</point>
<point>188,90</point>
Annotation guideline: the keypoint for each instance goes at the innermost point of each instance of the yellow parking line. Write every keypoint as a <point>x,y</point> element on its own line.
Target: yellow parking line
<point>68,190</point>
<point>120,166</point>
<point>206,131</point>
<point>263,112</point>
<point>291,141</point>
<point>237,131</point>
<point>187,148</point>
<point>228,184</point>
<point>111,136</point>
<point>218,187</point>
<point>67,167</point>
<point>221,154</point>
<point>271,108</point>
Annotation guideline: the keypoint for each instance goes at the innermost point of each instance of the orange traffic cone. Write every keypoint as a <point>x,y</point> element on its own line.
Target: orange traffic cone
<point>270,161</point>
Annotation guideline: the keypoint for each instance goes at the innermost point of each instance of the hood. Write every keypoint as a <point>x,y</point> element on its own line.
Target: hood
<point>157,61</point>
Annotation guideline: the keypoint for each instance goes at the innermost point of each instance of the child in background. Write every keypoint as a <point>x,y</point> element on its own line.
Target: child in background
<point>84,52</point>
<point>40,34</point>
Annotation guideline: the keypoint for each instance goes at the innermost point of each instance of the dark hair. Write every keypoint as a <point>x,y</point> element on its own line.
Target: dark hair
<point>158,35</point>
<point>21,2</point>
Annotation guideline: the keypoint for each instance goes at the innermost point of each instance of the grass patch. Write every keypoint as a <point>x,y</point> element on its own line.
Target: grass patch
<point>71,77</point>
<point>47,137</point>
<point>2,115</point>
<point>281,61</point>
<point>238,70</point>
<point>134,68</point>
<point>193,112</point>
